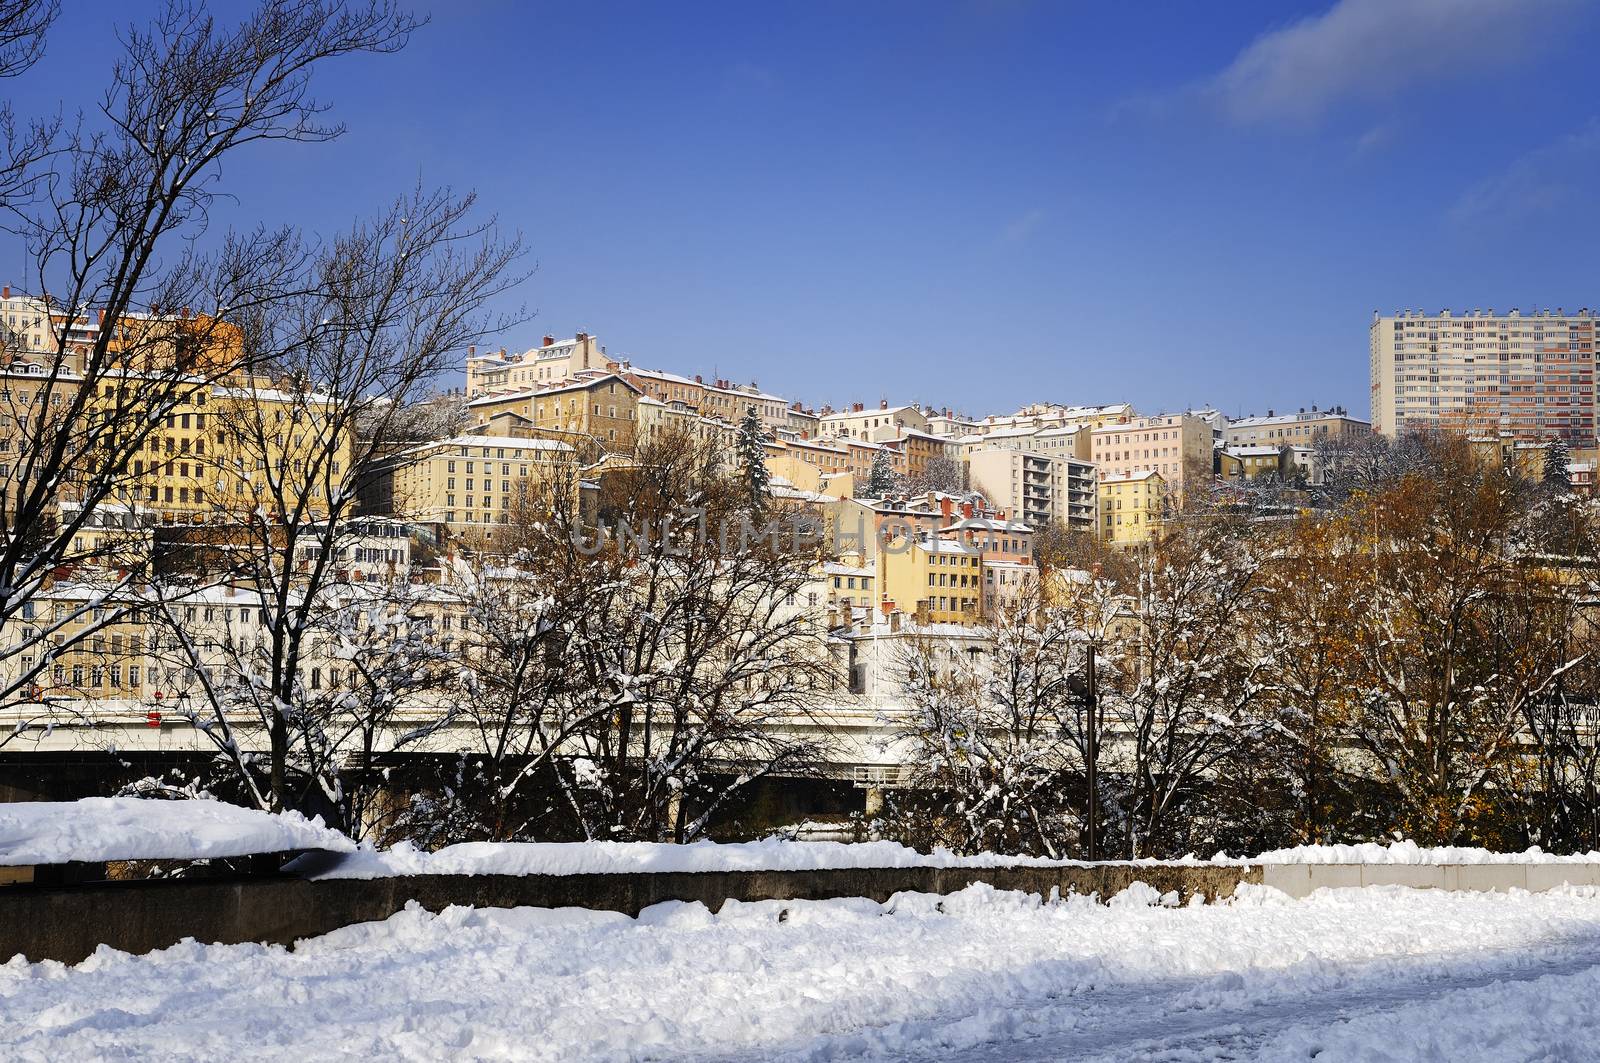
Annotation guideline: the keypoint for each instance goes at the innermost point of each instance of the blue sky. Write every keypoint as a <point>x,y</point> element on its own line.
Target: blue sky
<point>973,204</point>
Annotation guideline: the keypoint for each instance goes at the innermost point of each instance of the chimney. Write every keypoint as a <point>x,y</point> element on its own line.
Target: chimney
<point>102,316</point>
<point>697,379</point>
<point>549,341</point>
<point>1270,413</point>
<point>894,618</point>
<point>945,506</point>
<point>966,510</point>
<point>185,313</point>
<point>858,407</point>
<point>582,336</point>
<point>472,350</point>
<point>5,292</point>
<point>883,404</point>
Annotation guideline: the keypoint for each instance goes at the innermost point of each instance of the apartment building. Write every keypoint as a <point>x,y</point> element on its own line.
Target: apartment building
<point>678,420</point>
<point>232,449</point>
<point>1132,507</point>
<point>916,450</point>
<point>1065,441</point>
<point>1178,446</point>
<point>1261,461</point>
<point>880,422</point>
<point>1041,415</point>
<point>1531,375</point>
<point>720,398</point>
<point>1302,429</point>
<point>1037,489</point>
<point>549,363</point>
<point>849,582</point>
<point>949,424</point>
<point>25,327</point>
<point>937,580</point>
<point>601,406</point>
<point>470,483</point>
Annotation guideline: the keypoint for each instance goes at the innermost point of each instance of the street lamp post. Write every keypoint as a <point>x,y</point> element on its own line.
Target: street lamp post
<point>1092,747</point>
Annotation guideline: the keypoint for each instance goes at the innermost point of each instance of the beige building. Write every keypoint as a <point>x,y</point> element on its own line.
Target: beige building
<point>1178,446</point>
<point>25,327</point>
<point>880,422</point>
<point>1301,429</point>
<point>1037,489</point>
<point>600,406</point>
<point>471,483</point>
<point>549,363</point>
<point>1530,376</point>
<point>720,398</point>
<point>1041,415</point>
<point>678,420</point>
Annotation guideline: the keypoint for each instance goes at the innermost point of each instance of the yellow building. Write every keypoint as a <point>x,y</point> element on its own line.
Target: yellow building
<point>472,483</point>
<point>850,583</point>
<point>232,449</point>
<point>1132,507</point>
<point>600,406</point>
<point>937,580</point>
<point>1255,462</point>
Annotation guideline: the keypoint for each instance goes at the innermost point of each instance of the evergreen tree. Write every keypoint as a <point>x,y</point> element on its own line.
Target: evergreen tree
<point>1557,475</point>
<point>881,480</point>
<point>752,445</point>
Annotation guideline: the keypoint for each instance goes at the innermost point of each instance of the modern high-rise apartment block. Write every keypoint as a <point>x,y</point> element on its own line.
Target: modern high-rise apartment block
<point>1038,489</point>
<point>1526,375</point>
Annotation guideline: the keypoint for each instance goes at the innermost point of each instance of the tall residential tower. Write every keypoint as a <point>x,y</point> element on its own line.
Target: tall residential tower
<point>1525,375</point>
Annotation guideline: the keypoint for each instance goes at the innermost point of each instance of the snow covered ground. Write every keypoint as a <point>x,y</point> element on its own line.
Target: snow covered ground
<point>1371,974</point>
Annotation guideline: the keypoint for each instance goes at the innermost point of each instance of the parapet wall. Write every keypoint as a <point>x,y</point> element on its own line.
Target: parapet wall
<point>67,923</point>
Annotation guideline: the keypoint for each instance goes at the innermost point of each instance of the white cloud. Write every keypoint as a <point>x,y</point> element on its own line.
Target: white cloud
<point>1552,178</point>
<point>1373,50</point>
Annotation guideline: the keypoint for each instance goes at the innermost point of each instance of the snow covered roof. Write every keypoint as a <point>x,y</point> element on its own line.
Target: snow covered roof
<point>501,396</point>
<point>1291,418</point>
<point>995,524</point>
<point>473,440</point>
<point>740,390</point>
<point>945,546</point>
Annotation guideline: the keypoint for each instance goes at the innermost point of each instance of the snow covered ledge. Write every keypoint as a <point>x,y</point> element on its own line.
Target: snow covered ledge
<point>98,830</point>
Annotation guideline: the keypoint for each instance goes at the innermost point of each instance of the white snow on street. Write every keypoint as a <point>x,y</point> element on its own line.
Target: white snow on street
<point>1382,973</point>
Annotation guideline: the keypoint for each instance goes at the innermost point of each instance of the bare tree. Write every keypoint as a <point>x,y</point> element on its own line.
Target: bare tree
<point>22,32</point>
<point>987,721</point>
<point>380,317</point>
<point>1177,691</point>
<point>109,211</point>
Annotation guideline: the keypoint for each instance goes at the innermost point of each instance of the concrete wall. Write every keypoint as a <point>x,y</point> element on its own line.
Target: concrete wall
<point>1299,880</point>
<point>67,923</point>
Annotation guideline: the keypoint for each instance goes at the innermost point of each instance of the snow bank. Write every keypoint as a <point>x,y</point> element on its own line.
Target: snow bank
<point>615,858</point>
<point>980,975</point>
<point>127,828</point>
<point>1408,852</point>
